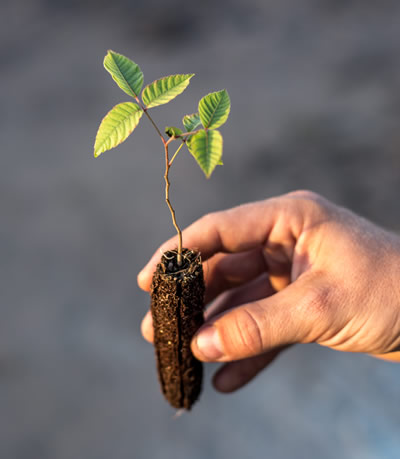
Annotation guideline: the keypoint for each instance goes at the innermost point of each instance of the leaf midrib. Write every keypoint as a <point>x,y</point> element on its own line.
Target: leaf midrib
<point>123,77</point>
<point>162,95</point>
<point>118,125</point>
<point>207,155</point>
<point>219,103</point>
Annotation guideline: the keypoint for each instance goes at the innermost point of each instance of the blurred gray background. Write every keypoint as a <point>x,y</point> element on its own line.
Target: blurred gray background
<point>315,90</point>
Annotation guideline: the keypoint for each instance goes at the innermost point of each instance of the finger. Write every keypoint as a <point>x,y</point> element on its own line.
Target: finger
<point>252,291</point>
<point>299,313</point>
<point>223,272</point>
<point>391,356</point>
<point>259,288</point>
<point>235,230</point>
<point>234,375</point>
<point>147,327</point>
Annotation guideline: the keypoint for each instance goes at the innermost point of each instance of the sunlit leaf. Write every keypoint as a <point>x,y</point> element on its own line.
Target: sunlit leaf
<point>125,73</point>
<point>165,89</point>
<point>206,147</point>
<point>191,122</point>
<point>214,109</point>
<point>116,126</point>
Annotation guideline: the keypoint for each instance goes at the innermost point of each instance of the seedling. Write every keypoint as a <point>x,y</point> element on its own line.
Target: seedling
<point>178,286</point>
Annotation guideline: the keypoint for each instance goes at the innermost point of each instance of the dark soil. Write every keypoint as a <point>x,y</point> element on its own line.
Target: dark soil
<point>177,303</point>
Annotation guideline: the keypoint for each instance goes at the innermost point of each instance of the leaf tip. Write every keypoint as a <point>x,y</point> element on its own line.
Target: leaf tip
<point>107,57</point>
<point>96,154</point>
<point>108,53</point>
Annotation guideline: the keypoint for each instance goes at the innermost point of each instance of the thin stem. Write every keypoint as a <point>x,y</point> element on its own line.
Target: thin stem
<point>154,124</point>
<point>171,209</point>
<point>151,119</point>
<point>177,151</point>
<point>185,134</point>
<point>167,183</point>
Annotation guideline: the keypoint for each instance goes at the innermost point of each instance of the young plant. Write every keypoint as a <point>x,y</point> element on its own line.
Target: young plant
<point>177,296</point>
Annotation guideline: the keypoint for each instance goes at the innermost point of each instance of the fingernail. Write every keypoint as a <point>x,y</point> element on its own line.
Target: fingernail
<point>209,344</point>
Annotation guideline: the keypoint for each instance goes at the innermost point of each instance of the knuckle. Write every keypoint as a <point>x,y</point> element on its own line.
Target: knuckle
<point>310,198</point>
<point>307,195</point>
<point>316,302</point>
<point>315,312</point>
<point>245,337</point>
<point>210,224</point>
<point>209,220</point>
<point>207,217</point>
<point>311,204</point>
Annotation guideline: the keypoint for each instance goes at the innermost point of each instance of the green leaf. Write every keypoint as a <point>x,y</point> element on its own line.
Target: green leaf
<point>116,126</point>
<point>191,122</point>
<point>206,147</point>
<point>165,89</point>
<point>173,131</point>
<point>125,73</point>
<point>214,109</point>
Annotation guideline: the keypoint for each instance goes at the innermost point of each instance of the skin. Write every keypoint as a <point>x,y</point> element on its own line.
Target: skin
<point>287,270</point>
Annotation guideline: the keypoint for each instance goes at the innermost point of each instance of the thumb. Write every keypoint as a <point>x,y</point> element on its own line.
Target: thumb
<point>298,313</point>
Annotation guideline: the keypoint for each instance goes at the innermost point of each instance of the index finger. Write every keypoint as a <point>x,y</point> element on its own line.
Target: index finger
<point>234,230</point>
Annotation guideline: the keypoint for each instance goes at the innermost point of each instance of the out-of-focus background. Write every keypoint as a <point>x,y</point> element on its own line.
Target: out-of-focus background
<point>315,90</point>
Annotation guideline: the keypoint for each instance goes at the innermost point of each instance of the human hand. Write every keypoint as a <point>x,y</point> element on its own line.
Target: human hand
<point>292,269</point>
